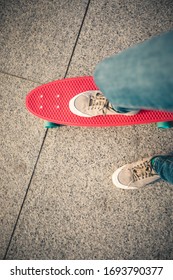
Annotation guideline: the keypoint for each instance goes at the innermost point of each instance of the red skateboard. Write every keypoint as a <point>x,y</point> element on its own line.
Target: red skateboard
<point>51,102</point>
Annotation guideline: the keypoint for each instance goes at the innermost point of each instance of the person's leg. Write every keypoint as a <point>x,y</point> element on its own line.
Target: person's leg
<point>140,77</point>
<point>163,166</point>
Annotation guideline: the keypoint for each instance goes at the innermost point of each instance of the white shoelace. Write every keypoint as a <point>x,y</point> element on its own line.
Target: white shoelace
<point>142,171</point>
<point>99,102</point>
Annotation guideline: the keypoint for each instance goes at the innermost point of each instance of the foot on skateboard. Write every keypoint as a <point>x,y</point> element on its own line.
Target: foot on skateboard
<point>51,102</point>
<point>93,103</point>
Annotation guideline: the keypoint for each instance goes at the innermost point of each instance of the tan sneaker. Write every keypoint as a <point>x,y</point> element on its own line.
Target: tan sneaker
<point>135,175</point>
<point>93,103</point>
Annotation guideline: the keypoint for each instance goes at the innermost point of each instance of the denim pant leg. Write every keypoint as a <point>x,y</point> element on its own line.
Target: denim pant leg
<point>163,165</point>
<point>140,77</point>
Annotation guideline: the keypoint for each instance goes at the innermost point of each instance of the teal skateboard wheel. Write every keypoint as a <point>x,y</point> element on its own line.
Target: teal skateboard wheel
<point>165,125</point>
<point>50,124</point>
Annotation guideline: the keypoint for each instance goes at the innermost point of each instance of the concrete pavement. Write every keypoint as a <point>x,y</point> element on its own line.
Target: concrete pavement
<point>56,195</point>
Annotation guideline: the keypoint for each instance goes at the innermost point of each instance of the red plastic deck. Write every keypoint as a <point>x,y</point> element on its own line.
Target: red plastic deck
<point>51,102</point>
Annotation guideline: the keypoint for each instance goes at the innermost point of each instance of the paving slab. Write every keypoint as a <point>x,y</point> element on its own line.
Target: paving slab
<point>72,210</point>
<point>37,37</point>
<point>112,26</point>
<point>20,139</point>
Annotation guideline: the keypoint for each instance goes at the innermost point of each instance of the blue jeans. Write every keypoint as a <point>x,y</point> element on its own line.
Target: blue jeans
<point>163,165</point>
<point>141,77</point>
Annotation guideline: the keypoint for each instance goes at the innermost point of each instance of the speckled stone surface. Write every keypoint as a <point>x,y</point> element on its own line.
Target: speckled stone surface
<point>37,37</point>
<point>72,210</point>
<point>112,26</point>
<point>20,141</point>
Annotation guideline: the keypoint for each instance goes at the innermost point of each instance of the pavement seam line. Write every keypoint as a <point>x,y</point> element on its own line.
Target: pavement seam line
<point>77,39</point>
<point>45,135</point>
<point>27,190</point>
<point>19,77</point>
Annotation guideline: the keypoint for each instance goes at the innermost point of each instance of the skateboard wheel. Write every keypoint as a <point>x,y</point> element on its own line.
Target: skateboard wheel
<point>165,125</point>
<point>50,124</point>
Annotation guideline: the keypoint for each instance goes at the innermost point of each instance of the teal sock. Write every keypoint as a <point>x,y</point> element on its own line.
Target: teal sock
<point>152,161</point>
<point>121,110</point>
